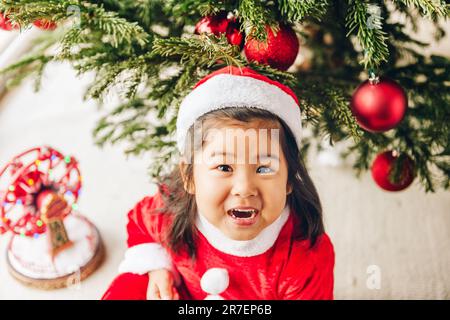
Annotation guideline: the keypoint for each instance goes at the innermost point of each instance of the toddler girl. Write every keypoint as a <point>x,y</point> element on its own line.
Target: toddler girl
<point>239,218</point>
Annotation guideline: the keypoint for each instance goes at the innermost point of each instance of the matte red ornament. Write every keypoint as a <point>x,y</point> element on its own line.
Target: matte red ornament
<point>382,167</point>
<point>45,24</point>
<point>379,105</point>
<point>280,50</point>
<point>5,23</point>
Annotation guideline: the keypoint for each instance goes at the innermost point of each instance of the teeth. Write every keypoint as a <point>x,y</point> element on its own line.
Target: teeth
<point>243,213</point>
<point>245,210</point>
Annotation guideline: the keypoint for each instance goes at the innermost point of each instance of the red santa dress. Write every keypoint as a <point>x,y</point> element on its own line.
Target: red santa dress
<point>271,266</point>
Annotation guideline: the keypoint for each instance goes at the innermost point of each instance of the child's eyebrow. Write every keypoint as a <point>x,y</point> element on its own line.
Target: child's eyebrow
<point>231,155</point>
<point>219,153</point>
<point>269,157</point>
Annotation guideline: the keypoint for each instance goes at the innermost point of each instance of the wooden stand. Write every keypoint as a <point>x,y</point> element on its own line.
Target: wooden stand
<point>31,263</point>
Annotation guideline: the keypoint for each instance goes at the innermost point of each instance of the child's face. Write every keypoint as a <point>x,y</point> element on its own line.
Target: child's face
<point>249,172</point>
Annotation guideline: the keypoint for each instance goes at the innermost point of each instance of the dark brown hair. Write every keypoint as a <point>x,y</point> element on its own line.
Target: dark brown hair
<point>303,200</point>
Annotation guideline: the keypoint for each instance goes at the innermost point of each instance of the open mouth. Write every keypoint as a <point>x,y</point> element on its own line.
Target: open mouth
<point>243,216</point>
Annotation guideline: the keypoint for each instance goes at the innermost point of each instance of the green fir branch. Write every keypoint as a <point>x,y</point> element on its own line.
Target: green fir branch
<point>144,49</point>
<point>364,20</point>
<point>298,10</point>
<point>204,50</point>
<point>428,8</point>
<point>255,15</point>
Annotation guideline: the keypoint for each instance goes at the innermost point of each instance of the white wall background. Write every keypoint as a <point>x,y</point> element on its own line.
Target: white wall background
<point>406,234</point>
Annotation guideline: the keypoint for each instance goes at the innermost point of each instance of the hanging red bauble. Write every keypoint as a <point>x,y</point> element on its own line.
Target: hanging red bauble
<point>45,24</point>
<point>214,24</point>
<point>379,105</point>
<point>220,24</point>
<point>280,50</point>
<point>234,34</point>
<point>6,24</point>
<point>382,168</point>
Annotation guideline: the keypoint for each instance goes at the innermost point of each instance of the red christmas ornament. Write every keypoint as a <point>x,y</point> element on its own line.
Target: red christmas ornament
<point>45,24</point>
<point>220,24</point>
<point>6,24</point>
<point>216,24</point>
<point>233,34</point>
<point>280,50</point>
<point>379,105</point>
<point>383,166</point>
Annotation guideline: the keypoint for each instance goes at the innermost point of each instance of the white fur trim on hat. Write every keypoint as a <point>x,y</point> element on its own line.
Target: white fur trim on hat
<point>228,90</point>
<point>146,257</point>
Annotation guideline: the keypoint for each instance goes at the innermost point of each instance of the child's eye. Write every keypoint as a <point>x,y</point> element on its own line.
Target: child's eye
<point>264,170</point>
<point>224,167</point>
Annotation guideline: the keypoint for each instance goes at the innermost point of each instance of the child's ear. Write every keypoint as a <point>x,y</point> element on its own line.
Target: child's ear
<point>189,188</point>
<point>288,189</point>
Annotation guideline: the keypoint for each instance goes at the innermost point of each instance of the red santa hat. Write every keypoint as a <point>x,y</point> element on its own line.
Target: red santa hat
<point>238,87</point>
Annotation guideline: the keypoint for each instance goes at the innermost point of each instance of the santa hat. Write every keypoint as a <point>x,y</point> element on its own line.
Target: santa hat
<point>238,87</point>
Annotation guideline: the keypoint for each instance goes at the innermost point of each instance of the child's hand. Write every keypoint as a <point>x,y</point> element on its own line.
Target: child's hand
<point>160,286</point>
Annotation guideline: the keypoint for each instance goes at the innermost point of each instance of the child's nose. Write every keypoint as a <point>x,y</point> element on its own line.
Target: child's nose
<point>244,186</point>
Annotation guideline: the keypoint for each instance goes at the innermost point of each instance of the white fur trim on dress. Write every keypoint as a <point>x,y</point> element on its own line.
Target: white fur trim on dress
<point>243,248</point>
<point>226,90</point>
<point>144,258</point>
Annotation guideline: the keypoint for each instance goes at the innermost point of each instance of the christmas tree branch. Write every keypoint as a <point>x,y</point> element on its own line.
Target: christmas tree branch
<point>141,48</point>
<point>428,8</point>
<point>25,12</point>
<point>193,7</point>
<point>366,21</point>
<point>297,11</point>
<point>326,107</point>
<point>33,63</point>
<point>115,30</point>
<point>254,16</point>
<point>204,50</point>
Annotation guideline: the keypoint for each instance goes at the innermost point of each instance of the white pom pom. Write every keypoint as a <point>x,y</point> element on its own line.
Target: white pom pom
<point>214,297</point>
<point>215,281</point>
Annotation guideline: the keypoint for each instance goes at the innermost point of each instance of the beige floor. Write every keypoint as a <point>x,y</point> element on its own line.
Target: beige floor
<point>403,236</point>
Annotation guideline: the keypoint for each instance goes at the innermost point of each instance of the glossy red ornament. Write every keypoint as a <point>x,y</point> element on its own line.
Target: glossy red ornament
<point>216,24</point>
<point>220,24</point>
<point>379,105</point>
<point>382,167</point>
<point>5,23</point>
<point>280,50</point>
<point>45,24</point>
<point>234,34</point>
